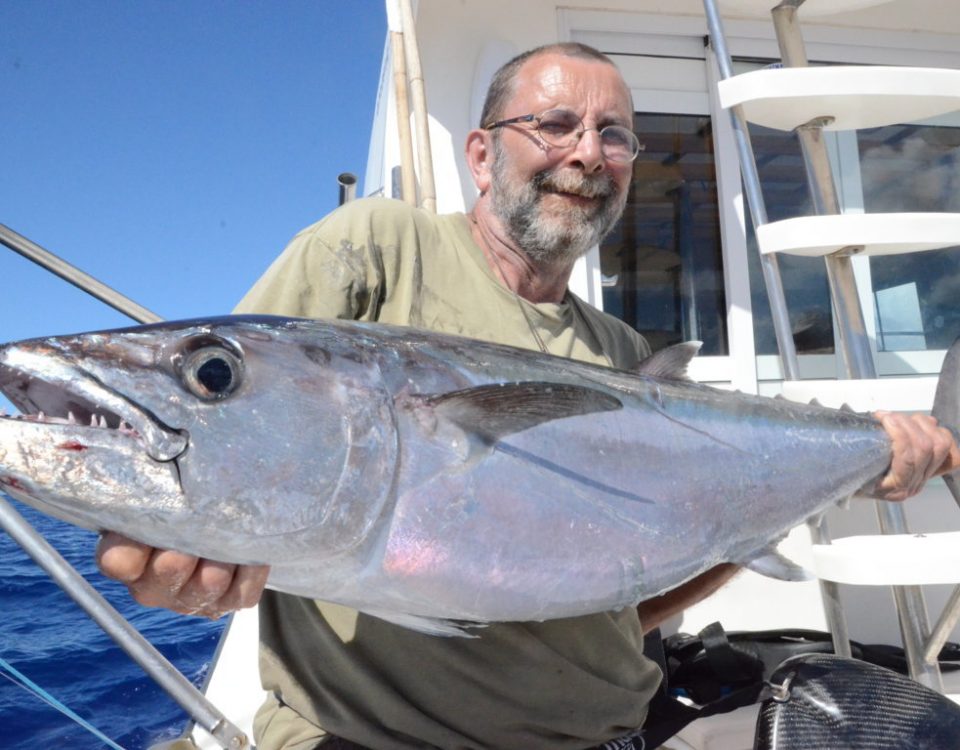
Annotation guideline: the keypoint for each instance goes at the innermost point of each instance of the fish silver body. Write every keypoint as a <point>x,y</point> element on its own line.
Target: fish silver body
<point>424,478</point>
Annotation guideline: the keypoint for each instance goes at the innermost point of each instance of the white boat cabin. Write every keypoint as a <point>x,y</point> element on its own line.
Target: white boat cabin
<point>684,263</point>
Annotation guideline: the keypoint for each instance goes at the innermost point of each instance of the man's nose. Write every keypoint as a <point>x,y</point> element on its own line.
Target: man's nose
<point>588,153</point>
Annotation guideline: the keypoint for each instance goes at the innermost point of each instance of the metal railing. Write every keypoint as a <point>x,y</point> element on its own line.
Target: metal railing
<point>155,664</point>
<point>853,339</point>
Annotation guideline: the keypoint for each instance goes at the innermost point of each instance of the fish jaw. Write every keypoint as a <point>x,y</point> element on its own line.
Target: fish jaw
<point>39,381</point>
<point>78,438</point>
<point>49,464</point>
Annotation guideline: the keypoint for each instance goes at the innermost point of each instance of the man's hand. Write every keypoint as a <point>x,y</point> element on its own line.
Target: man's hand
<point>182,583</point>
<point>921,449</point>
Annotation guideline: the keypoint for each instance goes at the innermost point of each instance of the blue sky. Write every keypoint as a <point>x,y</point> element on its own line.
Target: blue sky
<point>172,148</point>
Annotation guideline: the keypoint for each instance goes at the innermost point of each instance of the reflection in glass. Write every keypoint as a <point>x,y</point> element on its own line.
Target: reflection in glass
<point>661,265</point>
<point>786,195</point>
<point>914,168</point>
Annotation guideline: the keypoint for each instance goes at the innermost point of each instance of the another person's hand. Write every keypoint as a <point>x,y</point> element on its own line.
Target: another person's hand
<point>922,449</point>
<point>182,583</point>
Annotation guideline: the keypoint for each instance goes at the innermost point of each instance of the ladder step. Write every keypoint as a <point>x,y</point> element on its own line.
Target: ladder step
<point>890,559</point>
<point>876,234</point>
<point>856,97</point>
<point>809,9</point>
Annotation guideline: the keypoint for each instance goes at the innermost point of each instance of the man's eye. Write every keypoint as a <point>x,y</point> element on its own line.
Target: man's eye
<point>556,127</point>
<point>616,136</point>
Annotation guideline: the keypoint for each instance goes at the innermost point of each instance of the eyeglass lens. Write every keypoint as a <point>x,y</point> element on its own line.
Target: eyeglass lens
<point>563,128</point>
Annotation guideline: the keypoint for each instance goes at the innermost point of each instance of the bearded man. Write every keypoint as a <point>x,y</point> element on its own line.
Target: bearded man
<point>552,163</point>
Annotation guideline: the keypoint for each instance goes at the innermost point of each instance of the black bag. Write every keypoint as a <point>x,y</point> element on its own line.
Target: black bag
<point>720,672</point>
<point>711,664</point>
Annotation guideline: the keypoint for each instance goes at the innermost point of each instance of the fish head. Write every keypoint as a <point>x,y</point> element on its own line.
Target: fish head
<point>243,439</point>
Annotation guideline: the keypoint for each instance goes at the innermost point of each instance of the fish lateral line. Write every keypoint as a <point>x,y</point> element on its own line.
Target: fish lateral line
<point>515,452</point>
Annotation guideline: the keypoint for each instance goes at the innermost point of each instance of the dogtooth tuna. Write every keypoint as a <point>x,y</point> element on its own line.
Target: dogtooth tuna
<point>431,480</point>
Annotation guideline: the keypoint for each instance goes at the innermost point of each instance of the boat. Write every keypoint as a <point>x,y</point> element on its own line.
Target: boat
<point>873,86</point>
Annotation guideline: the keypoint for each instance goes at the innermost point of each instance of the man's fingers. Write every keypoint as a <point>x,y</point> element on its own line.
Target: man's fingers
<point>164,577</point>
<point>246,588</point>
<point>920,450</point>
<point>180,582</point>
<point>217,588</point>
<point>122,559</point>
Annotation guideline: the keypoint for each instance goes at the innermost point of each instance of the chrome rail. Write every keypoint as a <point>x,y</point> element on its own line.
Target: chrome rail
<point>70,273</point>
<point>854,342</point>
<point>157,667</point>
<point>121,631</point>
<point>829,591</point>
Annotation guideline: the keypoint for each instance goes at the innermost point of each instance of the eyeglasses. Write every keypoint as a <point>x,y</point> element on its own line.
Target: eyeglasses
<point>564,129</point>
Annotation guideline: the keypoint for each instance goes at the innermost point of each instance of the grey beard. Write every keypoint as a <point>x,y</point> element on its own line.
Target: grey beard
<point>549,238</point>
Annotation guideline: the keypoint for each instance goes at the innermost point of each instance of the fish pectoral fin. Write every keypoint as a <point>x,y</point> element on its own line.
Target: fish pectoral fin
<point>493,412</point>
<point>429,625</point>
<point>772,564</point>
<point>670,363</point>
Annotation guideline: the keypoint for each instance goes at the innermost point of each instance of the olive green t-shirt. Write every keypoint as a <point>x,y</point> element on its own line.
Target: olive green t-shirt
<point>571,683</point>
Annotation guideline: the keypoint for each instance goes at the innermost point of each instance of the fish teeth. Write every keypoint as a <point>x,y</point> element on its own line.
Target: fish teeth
<point>71,418</point>
<point>103,422</point>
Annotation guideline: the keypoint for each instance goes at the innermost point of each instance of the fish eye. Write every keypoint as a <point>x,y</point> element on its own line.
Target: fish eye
<point>211,373</point>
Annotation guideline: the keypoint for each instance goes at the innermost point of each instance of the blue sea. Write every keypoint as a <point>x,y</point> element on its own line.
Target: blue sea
<point>48,638</point>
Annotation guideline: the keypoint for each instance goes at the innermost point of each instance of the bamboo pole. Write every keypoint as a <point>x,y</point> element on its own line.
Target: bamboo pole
<point>428,190</point>
<point>408,180</point>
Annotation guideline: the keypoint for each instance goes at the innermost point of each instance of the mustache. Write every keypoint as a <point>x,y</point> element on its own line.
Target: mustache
<point>587,186</point>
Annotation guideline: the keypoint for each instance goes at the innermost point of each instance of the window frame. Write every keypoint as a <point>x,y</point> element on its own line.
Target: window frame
<point>679,40</point>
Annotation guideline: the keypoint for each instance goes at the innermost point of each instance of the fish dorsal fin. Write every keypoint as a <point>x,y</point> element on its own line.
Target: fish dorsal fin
<point>773,564</point>
<point>670,363</point>
<point>494,411</point>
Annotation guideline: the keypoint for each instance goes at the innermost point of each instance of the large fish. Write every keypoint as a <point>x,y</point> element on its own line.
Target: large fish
<point>431,480</point>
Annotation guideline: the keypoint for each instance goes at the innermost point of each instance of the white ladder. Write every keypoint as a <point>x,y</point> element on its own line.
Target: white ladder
<point>809,101</point>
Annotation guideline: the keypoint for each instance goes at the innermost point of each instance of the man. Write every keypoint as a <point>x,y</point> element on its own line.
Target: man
<point>552,163</point>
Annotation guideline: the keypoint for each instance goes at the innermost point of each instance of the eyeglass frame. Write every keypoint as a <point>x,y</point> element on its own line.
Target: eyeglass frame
<point>579,135</point>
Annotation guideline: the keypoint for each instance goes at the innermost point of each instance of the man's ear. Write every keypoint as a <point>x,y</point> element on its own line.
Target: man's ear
<point>479,153</point>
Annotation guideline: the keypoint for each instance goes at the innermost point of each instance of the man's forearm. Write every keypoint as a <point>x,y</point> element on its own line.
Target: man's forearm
<point>655,611</point>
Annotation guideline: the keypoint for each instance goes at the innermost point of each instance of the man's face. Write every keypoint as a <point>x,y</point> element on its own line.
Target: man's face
<point>558,202</point>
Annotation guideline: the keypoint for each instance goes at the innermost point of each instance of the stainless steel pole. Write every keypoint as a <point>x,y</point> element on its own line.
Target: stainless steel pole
<point>854,342</point>
<point>758,211</point>
<point>116,626</point>
<point>32,251</point>
<point>829,591</point>
<point>945,625</point>
<point>348,186</point>
<point>97,608</point>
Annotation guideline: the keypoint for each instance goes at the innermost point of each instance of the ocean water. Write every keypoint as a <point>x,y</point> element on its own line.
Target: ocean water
<point>48,638</point>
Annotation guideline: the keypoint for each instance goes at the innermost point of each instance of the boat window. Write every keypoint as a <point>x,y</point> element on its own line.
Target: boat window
<point>786,196</point>
<point>661,267</point>
<point>899,168</point>
<point>913,168</point>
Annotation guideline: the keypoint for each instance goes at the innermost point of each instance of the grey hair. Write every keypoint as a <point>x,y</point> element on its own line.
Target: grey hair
<point>502,86</point>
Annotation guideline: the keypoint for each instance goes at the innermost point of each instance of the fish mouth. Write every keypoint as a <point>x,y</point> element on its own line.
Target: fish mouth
<point>49,391</point>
